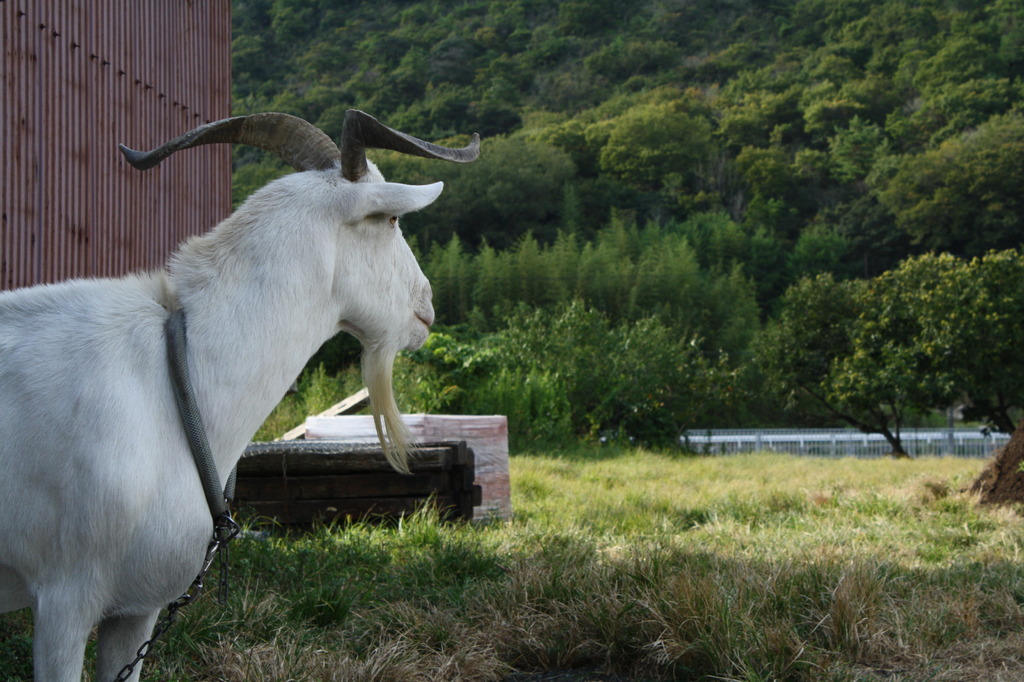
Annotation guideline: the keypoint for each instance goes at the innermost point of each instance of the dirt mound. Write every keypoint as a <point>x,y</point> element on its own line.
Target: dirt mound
<point>1002,482</point>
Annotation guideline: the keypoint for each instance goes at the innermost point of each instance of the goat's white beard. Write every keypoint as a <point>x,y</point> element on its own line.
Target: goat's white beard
<point>391,429</point>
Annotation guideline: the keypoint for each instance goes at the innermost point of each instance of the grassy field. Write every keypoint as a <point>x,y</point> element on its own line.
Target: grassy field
<point>636,564</point>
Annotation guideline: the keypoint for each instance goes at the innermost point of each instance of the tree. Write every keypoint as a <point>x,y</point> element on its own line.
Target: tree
<point>819,249</point>
<point>605,276</point>
<point>620,59</point>
<point>515,187</point>
<point>749,116</point>
<point>290,19</point>
<point>958,107</point>
<point>855,149</point>
<point>449,270</point>
<point>971,330</point>
<point>961,58</point>
<point>887,374</point>
<point>795,352</point>
<point>767,170</point>
<point>835,136</point>
<point>588,18</point>
<point>932,333</point>
<point>491,289</point>
<point>649,142</point>
<point>867,225</point>
<point>636,380</point>
<point>830,105</point>
<point>809,357</point>
<point>964,196</point>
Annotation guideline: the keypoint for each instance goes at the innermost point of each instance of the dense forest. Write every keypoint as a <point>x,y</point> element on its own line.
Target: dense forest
<point>687,213</point>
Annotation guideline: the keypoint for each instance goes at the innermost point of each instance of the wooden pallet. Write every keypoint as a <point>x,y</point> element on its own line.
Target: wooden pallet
<point>300,482</point>
<point>487,435</point>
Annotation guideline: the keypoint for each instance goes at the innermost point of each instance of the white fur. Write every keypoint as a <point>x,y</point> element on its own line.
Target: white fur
<point>104,520</point>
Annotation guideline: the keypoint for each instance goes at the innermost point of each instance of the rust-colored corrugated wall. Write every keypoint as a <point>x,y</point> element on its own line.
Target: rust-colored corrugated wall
<point>80,76</point>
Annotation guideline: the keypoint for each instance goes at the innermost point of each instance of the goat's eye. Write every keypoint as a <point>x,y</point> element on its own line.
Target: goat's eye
<point>393,220</point>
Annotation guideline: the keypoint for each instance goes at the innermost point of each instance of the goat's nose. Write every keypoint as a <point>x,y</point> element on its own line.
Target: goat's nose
<point>425,309</point>
<point>426,314</point>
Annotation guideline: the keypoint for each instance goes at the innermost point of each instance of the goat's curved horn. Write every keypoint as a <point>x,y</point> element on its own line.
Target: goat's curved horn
<point>297,142</point>
<point>362,131</point>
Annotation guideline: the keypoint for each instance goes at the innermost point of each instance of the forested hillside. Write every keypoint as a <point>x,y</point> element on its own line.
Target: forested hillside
<point>689,160</point>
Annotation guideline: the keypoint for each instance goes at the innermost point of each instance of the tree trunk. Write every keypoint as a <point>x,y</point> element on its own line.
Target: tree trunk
<point>1001,419</point>
<point>896,443</point>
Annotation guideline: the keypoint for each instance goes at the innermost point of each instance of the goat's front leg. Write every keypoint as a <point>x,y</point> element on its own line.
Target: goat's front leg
<point>59,636</point>
<point>117,641</point>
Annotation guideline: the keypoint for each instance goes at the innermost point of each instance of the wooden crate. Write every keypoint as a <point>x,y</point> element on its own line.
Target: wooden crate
<point>300,482</point>
<point>487,435</point>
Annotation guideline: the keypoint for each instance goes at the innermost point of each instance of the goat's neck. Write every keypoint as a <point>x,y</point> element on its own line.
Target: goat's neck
<point>254,318</point>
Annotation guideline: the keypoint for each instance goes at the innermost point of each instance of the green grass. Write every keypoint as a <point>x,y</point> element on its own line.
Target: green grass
<point>646,565</point>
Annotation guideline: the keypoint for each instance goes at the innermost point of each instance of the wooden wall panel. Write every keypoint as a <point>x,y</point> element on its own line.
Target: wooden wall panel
<point>76,79</point>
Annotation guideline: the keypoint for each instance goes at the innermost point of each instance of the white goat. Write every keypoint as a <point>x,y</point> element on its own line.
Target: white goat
<point>103,519</point>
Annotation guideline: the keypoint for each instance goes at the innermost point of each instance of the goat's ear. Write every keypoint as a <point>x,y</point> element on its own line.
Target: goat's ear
<point>394,199</point>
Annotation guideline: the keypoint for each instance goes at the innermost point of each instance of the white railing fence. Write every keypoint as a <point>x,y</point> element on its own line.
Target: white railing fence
<point>844,442</point>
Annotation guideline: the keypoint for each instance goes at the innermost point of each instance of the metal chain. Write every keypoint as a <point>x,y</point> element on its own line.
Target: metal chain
<point>225,529</point>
